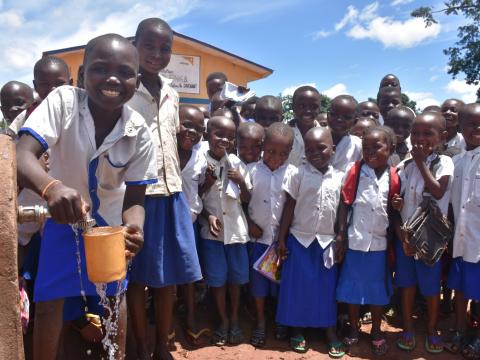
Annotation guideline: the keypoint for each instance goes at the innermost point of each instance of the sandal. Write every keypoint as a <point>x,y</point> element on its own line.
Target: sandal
<point>367,318</point>
<point>336,350</point>
<point>258,337</point>
<point>298,344</point>
<point>433,344</point>
<point>472,350</point>
<point>219,337</point>
<point>379,347</point>
<point>235,335</point>
<point>194,338</point>
<point>407,341</point>
<point>281,332</point>
<point>454,342</point>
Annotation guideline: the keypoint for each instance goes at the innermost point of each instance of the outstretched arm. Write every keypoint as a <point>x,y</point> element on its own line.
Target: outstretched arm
<point>133,216</point>
<point>285,222</point>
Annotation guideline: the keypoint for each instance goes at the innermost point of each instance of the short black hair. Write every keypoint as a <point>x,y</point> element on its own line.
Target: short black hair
<point>20,84</point>
<point>250,100</point>
<point>50,60</point>
<point>280,129</point>
<point>216,75</point>
<point>385,130</point>
<point>152,21</point>
<point>402,108</point>
<point>388,90</point>
<point>250,129</point>
<point>346,97</point>
<point>92,44</point>
<point>303,89</point>
<point>466,108</point>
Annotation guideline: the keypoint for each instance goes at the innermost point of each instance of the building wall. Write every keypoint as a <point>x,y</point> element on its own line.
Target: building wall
<point>209,62</point>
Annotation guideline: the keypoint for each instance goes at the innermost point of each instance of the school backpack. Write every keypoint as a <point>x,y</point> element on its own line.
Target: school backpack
<point>349,193</point>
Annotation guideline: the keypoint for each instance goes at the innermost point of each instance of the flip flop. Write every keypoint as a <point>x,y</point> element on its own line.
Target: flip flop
<point>336,350</point>
<point>235,335</point>
<point>219,337</point>
<point>472,350</point>
<point>433,344</point>
<point>405,339</point>
<point>194,338</point>
<point>379,347</point>
<point>298,344</point>
<point>258,337</point>
<point>454,342</point>
<point>350,341</point>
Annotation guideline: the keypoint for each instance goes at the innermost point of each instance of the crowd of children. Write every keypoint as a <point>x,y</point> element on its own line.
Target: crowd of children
<point>204,193</point>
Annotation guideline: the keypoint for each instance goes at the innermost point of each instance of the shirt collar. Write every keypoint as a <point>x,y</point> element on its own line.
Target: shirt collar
<point>474,152</point>
<point>265,167</point>
<point>165,85</point>
<point>313,169</point>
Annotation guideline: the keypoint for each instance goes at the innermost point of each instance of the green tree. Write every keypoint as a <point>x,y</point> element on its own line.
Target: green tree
<point>288,110</point>
<point>464,56</point>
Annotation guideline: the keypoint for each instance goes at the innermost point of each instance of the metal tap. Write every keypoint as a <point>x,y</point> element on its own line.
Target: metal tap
<point>38,213</point>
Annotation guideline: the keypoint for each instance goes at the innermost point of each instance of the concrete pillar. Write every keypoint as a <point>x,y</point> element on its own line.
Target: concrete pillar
<point>11,337</point>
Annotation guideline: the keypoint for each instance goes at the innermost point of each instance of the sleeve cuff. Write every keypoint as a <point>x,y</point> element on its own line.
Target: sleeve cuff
<point>31,132</point>
<point>141,182</point>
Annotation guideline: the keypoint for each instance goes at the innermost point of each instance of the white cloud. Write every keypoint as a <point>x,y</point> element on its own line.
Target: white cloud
<point>394,33</point>
<point>434,78</point>
<point>246,9</point>
<point>459,88</point>
<point>26,34</point>
<point>321,34</point>
<point>400,2</point>
<point>423,99</point>
<point>291,89</point>
<point>335,90</point>
<point>352,13</point>
<point>368,24</point>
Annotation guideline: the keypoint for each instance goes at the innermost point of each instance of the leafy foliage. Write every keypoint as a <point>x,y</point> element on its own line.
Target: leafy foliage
<point>464,57</point>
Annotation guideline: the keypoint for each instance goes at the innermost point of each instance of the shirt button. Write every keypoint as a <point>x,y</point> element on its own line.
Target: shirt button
<point>224,213</point>
<point>92,190</point>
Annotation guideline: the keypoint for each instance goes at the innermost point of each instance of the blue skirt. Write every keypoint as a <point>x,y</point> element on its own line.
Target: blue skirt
<point>307,288</point>
<point>58,276</point>
<point>364,279</point>
<point>169,255</point>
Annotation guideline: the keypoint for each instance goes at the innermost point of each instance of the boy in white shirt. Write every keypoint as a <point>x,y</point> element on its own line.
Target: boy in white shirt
<point>465,198</point>
<point>455,141</point>
<point>341,118</point>
<point>265,210</point>
<point>428,134</point>
<point>224,231</point>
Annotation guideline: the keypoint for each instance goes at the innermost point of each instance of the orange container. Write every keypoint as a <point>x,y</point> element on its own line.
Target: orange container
<point>105,253</point>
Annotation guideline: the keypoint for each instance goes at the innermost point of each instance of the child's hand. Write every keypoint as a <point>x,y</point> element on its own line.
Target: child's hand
<point>408,249</point>
<point>133,240</point>
<point>254,230</point>
<point>235,176</point>
<point>65,204</point>
<point>420,153</point>
<point>282,250</point>
<point>210,176</point>
<point>242,89</point>
<point>215,225</point>
<point>339,248</point>
<point>397,202</point>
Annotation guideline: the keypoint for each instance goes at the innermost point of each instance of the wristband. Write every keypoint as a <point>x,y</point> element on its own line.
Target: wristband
<point>48,186</point>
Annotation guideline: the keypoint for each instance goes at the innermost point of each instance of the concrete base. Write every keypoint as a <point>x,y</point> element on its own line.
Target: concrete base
<point>11,342</point>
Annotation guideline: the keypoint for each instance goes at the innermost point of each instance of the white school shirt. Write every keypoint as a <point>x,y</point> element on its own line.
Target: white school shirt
<point>368,228</point>
<point>227,209</point>
<point>347,151</point>
<point>297,154</point>
<point>192,175</point>
<point>317,196</point>
<point>266,205</point>
<point>164,124</point>
<point>457,142</point>
<point>466,206</point>
<point>413,184</point>
<point>63,123</point>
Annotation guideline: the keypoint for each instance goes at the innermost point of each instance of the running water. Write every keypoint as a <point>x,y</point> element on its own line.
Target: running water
<point>110,318</point>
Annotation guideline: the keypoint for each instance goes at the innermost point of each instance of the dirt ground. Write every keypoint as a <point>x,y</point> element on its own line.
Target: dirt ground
<point>75,348</point>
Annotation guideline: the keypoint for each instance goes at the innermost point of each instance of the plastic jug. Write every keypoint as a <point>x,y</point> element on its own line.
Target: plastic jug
<point>105,253</point>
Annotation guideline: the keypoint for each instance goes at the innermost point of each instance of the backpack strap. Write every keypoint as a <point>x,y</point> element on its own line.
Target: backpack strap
<point>350,186</point>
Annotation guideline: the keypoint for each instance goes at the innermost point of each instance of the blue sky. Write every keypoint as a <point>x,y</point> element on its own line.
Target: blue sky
<point>339,46</point>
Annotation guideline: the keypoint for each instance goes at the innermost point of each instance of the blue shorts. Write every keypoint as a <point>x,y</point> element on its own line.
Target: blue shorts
<point>260,286</point>
<point>410,272</point>
<point>464,277</point>
<point>74,308</point>
<point>224,263</point>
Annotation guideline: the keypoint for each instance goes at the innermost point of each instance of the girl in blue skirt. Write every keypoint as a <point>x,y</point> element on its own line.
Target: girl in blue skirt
<point>308,279</point>
<point>364,277</point>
